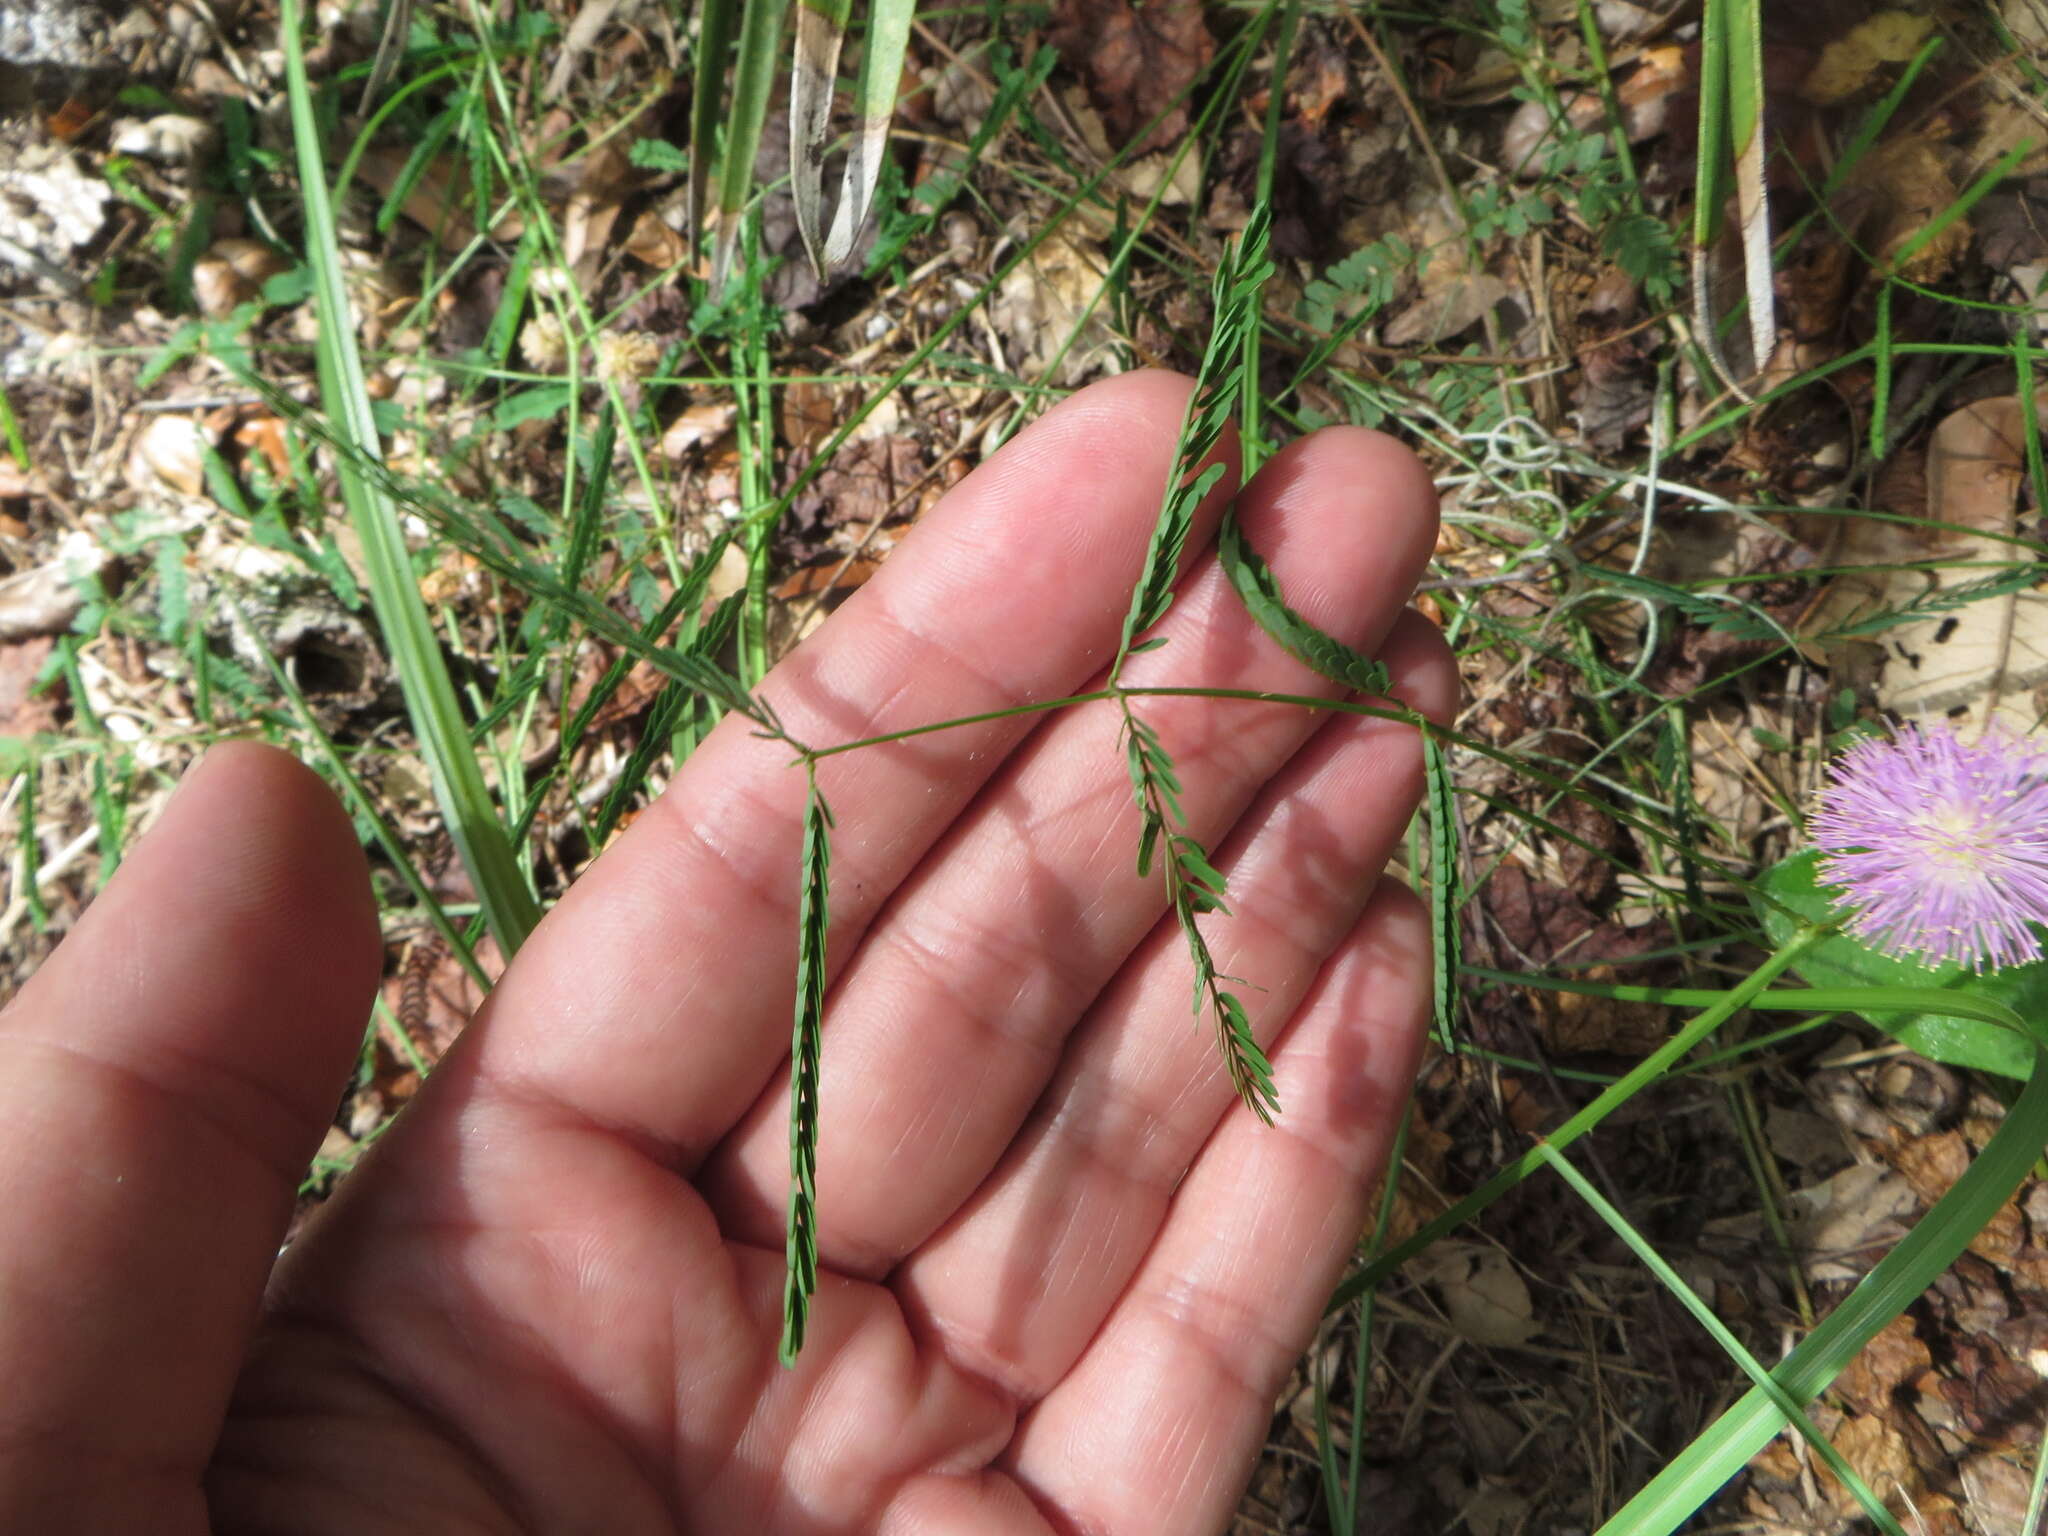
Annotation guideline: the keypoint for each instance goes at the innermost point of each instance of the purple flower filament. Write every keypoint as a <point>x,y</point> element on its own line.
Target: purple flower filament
<point>1939,850</point>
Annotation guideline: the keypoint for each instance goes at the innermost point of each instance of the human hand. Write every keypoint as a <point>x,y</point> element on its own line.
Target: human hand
<point>1063,1269</point>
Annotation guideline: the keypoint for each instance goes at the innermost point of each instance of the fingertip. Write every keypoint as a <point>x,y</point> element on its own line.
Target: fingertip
<point>241,929</point>
<point>1421,668</point>
<point>256,838</point>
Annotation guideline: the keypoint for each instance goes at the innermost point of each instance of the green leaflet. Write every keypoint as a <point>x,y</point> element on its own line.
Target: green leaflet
<point>801,1246</point>
<point>1254,581</point>
<point>1251,1074</point>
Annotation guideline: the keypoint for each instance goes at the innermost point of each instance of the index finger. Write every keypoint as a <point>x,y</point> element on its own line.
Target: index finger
<point>656,999</point>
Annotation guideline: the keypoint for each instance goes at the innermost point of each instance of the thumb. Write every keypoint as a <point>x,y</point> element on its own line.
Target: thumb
<point>163,1081</point>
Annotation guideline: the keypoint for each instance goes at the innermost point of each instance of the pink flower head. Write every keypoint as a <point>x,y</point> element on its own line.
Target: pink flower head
<point>1940,850</point>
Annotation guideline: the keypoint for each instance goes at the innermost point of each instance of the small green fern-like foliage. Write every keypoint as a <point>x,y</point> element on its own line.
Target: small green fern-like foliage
<point>800,1277</point>
<point>1260,591</point>
<point>1240,279</point>
<point>1194,886</point>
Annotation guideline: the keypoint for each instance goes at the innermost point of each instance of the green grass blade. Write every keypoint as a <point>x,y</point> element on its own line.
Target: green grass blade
<point>1446,898</point>
<point>473,824</point>
<point>1710,171</point>
<point>1745,86</point>
<point>881,71</point>
<point>31,846</point>
<point>364,807</point>
<point>1918,1259</point>
<point>1645,1072</point>
<point>668,713</point>
<point>1753,1368</point>
<point>753,84</point>
<point>714,38</point>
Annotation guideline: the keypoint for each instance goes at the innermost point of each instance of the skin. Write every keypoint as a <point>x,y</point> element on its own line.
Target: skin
<point>1064,1272</point>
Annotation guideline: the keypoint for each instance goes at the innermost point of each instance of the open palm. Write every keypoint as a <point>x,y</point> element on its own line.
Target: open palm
<point>1063,1270</point>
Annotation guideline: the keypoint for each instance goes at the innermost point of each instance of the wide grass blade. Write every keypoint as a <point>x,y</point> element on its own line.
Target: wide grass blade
<point>714,37</point>
<point>1725,1005</point>
<point>820,32</point>
<point>753,84</point>
<point>1731,122</point>
<point>881,72</point>
<point>1754,1369</point>
<point>1745,83</point>
<point>508,903</point>
<point>1935,1242</point>
<point>364,806</point>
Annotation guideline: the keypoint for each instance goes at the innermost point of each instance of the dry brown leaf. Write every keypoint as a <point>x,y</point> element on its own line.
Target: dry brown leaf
<point>1576,1025</point>
<point>1158,175</point>
<point>1447,306</point>
<point>1995,1494</point>
<point>1886,1366</point>
<point>1135,60</point>
<point>439,201</point>
<point>1802,1139</point>
<point>1981,658</point>
<point>44,599</point>
<point>705,422</point>
<point>1910,186</point>
<point>1318,78</point>
<point>832,577</point>
<point>170,453</point>
<point>809,414</point>
<point>1040,301</point>
<point>1845,1224</point>
<point>1849,64</point>
<point>1932,1164</point>
<point>24,712</point>
<point>603,178</point>
<point>1486,1300</point>
<point>1984,656</point>
<point>1878,1454</point>
<point>265,434</point>
<point>1645,97</point>
<point>654,244</point>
